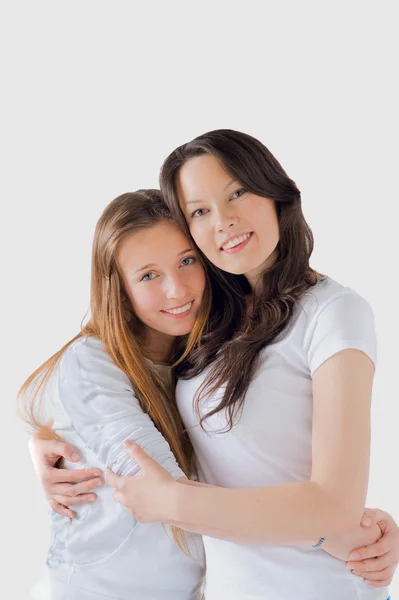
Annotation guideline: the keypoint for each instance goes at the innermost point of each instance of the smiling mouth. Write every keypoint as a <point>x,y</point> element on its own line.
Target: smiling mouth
<point>237,243</point>
<point>179,311</point>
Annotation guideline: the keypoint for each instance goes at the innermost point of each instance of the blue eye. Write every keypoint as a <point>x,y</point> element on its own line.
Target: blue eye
<point>189,260</point>
<point>238,193</point>
<point>198,213</point>
<point>148,277</point>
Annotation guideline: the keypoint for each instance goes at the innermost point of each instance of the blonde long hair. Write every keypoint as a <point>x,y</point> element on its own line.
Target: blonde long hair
<point>114,322</point>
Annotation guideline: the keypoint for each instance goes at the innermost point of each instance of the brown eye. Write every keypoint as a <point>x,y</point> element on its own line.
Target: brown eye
<point>198,213</point>
<point>238,193</point>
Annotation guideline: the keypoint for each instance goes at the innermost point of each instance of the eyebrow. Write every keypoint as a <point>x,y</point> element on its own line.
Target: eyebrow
<point>154,265</point>
<point>229,184</point>
<point>224,189</point>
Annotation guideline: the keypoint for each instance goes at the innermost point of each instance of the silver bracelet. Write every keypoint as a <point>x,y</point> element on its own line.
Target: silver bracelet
<point>319,543</point>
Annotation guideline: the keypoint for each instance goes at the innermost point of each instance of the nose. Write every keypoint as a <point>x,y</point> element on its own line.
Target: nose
<point>174,287</point>
<point>225,218</point>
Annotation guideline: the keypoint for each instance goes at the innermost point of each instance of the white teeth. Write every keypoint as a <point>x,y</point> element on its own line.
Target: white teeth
<point>238,240</point>
<point>178,311</point>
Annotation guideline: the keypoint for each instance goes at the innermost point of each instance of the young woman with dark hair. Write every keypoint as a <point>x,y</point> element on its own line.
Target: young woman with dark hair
<point>276,398</point>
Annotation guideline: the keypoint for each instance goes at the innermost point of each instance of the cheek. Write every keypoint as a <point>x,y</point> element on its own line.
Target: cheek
<point>144,302</point>
<point>201,235</point>
<point>267,219</point>
<point>273,229</point>
<point>194,280</point>
<point>199,281</point>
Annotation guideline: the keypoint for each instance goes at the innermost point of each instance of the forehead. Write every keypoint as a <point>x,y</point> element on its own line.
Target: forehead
<point>157,244</point>
<point>201,174</point>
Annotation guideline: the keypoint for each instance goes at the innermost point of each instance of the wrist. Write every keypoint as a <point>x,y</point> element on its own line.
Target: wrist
<point>186,501</point>
<point>174,500</point>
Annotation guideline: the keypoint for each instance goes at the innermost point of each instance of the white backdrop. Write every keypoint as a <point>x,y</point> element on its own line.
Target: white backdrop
<point>96,94</point>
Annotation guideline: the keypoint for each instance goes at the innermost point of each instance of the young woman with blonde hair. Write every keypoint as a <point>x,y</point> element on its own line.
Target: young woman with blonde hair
<point>112,383</point>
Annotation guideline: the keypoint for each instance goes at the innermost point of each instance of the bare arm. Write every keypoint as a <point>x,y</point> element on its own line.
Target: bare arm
<point>332,502</point>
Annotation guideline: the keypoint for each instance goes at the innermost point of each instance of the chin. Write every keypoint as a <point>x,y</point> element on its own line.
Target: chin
<point>181,330</point>
<point>236,269</point>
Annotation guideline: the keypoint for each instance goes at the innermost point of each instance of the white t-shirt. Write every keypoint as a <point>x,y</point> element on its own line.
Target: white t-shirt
<point>105,552</point>
<point>271,445</point>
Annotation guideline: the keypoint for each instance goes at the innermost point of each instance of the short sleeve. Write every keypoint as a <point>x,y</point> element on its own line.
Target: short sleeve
<point>346,321</point>
<point>103,408</point>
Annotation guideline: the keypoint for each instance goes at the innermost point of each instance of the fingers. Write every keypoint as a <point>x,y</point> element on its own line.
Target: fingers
<point>384,583</point>
<point>62,510</point>
<point>76,489</point>
<point>139,456</point>
<point>384,545</point>
<point>373,564</point>
<point>53,449</point>
<point>66,451</point>
<point>381,515</point>
<point>372,516</point>
<point>368,518</point>
<point>118,497</point>
<point>72,501</point>
<point>52,475</point>
<point>378,575</point>
<point>112,478</point>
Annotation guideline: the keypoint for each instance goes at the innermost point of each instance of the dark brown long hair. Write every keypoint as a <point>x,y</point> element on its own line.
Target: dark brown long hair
<point>232,346</point>
<point>114,322</point>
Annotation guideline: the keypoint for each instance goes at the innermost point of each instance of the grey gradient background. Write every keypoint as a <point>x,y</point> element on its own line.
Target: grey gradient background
<point>95,94</point>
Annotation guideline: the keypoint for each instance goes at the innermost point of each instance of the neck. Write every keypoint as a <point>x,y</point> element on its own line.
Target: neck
<point>256,274</point>
<point>158,347</point>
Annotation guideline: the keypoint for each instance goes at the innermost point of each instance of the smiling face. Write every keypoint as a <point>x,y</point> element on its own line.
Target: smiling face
<point>237,230</point>
<point>163,279</point>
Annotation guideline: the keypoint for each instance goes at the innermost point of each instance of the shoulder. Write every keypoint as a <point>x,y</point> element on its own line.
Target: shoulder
<point>336,318</point>
<point>333,301</point>
<point>87,359</point>
<point>86,347</point>
<point>85,352</point>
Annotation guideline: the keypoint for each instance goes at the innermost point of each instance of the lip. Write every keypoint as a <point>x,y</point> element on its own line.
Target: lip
<point>180,315</point>
<point>240,246</point>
